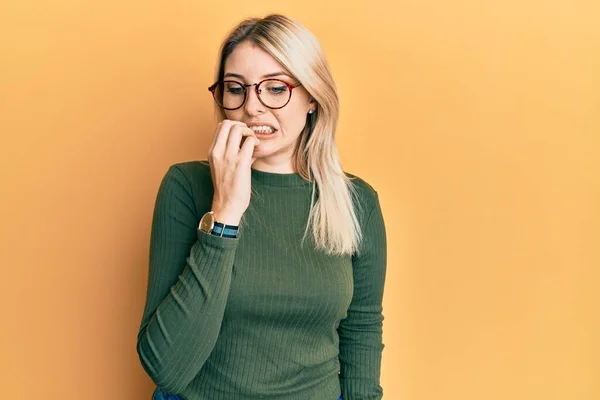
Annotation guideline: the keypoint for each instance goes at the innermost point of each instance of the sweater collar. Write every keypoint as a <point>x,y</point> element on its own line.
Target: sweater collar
<point>276,179</point>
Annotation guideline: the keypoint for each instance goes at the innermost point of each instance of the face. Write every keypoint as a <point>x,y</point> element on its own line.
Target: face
<point>250,64</point>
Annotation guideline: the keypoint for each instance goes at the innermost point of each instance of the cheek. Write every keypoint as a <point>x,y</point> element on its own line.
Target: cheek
<point>234,115</point>
<point>291,123</point>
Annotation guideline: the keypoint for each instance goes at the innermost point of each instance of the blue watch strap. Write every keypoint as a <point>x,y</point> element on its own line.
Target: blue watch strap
<point>229,231</point>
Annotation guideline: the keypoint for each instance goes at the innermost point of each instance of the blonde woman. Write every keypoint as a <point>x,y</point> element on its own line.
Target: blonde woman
<point>267,260</point>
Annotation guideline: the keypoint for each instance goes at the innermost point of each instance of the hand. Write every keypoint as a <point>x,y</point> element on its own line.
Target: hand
<point>230,170</point>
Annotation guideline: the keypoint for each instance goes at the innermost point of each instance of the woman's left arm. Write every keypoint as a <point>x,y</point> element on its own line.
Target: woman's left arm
<point>361,331</point>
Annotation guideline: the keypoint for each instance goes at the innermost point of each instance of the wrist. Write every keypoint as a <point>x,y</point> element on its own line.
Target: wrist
<point>210,224</point>
<point>225,217</point>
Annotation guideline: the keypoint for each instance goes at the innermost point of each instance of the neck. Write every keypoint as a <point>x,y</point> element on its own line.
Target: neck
<point>274,167</point>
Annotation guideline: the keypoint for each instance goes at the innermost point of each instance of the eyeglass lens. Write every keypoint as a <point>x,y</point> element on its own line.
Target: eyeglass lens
<point>272,93</point>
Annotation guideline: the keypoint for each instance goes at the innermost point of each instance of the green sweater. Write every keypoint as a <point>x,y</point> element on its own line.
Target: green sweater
<point>260,316</point>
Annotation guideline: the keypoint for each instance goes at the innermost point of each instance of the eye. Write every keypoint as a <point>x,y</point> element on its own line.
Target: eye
<point>276,88</point>
<point>234,90</point>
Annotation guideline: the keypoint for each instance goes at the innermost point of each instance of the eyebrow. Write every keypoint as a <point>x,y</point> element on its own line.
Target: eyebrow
<point>271,75</point>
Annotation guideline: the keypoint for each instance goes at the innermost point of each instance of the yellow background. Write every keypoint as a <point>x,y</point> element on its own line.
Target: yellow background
<point>477,122</point>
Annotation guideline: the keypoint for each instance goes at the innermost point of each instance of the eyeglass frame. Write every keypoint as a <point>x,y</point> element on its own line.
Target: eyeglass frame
<point>290,86</point>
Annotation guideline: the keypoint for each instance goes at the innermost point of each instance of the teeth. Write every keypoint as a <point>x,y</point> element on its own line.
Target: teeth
<point>262,129</point>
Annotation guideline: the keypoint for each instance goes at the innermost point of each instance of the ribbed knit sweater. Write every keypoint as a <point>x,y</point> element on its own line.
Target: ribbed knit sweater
<point>261,316</point>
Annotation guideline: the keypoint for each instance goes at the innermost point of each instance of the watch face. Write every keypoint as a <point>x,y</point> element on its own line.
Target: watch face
<point>207,222</point>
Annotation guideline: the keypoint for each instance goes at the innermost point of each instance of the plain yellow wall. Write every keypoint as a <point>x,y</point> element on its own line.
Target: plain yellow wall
<point>477,122</point>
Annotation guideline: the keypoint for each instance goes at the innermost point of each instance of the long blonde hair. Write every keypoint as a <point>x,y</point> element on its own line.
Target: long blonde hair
<point>333,217</point>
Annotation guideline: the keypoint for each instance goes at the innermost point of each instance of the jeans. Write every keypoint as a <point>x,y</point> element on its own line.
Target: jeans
<point>160,394</point>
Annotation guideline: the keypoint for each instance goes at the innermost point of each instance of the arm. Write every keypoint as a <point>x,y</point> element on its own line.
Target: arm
<point>361,331</point>
<point>188,284</point>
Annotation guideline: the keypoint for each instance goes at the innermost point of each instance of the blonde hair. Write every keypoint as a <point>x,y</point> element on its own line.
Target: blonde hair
<point>335,226</point>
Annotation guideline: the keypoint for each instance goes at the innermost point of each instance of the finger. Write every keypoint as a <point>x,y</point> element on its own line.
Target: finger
<point>233,140</point>
<point>222,135</point>
<point>247,150</point>
<point>236,134</point>
<point>214,138</point>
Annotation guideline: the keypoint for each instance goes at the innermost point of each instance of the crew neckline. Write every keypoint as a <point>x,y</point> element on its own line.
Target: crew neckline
<point>277,179</point>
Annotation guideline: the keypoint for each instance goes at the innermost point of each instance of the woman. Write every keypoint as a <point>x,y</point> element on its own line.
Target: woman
<point>267,261</point>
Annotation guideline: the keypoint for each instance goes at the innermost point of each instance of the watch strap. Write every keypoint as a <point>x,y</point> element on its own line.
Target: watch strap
<point>229,231</point>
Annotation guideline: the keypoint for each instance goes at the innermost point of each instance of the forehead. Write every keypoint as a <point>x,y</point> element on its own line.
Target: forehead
<point>251,61</point>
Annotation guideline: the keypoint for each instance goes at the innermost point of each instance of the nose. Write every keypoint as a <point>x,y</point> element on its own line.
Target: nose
<point>253,106</point>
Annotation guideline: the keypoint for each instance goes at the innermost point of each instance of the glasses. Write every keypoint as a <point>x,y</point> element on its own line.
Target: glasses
<point>272,93</point>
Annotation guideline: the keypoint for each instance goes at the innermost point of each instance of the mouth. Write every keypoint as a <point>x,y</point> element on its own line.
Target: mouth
<point>262,129</point>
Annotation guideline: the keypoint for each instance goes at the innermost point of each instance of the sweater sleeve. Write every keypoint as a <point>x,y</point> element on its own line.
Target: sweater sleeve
<point>361,331</point>
<point>188,284</point>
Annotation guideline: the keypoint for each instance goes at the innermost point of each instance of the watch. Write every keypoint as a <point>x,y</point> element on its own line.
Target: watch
<point>209,225</point>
